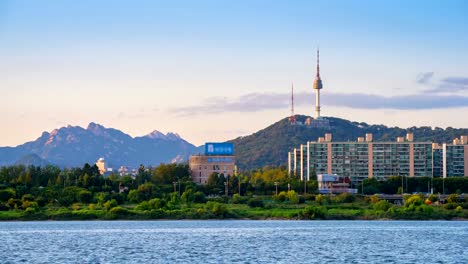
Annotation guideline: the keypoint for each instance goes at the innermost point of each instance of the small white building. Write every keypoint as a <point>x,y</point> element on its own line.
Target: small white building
<point>101,164</point>
<point>332,183</point>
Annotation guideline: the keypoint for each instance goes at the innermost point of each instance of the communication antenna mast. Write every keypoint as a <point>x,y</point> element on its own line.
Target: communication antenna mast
<point>292,118</point>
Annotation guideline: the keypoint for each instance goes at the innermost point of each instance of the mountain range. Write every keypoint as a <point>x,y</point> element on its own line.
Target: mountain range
<point>72,146</point>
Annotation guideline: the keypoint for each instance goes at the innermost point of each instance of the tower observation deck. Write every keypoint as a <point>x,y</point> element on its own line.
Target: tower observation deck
<point>317,86</point>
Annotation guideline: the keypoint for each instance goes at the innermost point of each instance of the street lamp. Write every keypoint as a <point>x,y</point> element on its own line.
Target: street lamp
<point>276,185</point>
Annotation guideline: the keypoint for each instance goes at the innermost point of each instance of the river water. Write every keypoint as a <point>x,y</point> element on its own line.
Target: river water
<point>237,241</point>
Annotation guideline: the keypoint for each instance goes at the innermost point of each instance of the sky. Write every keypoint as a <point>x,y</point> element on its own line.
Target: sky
<point>217,70</point>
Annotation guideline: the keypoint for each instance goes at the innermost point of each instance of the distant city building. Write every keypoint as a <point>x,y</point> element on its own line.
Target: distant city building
<point>218,158</point>
<point>101,164</point>
<point>455,158</point>
<point>365,158</point>
<point>332,183</point>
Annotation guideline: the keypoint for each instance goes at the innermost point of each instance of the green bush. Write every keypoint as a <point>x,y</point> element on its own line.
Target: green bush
<point>321,199</point>
<point>156,203</point>
<point>188,196</point>
<point>143,206</point>
<point>199,197</point>
<point>110,204</point>
<point>293,197</point>
<point>282,196</point>
<point>255,202</point>
<point>432,198</point>
<point>450,206</point>
<point>454,198</point>
<point>119,211</point>
<point>7,194</point>
<point>218,209</point>
<point>30,210</point>
<point>313,212</point>
<point>27,197</point>
<point>237,199</point>
<point>85,197</point>
<point>414,200</point>
<point>344,198</point>
<point>28,204</point>
<point>382,206</point>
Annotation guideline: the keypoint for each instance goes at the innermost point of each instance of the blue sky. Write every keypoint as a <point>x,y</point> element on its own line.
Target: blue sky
<point>215,70</point>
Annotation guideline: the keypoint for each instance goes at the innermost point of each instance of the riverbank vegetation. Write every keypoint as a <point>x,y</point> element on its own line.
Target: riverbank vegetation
<point>166,192</point>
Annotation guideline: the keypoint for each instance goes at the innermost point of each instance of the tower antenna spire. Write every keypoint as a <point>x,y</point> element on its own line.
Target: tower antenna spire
<point>318,63</point>
<point>292,118</point>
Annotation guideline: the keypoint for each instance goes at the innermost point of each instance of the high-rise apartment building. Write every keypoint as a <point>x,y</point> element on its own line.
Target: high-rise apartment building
<point>363,158</point>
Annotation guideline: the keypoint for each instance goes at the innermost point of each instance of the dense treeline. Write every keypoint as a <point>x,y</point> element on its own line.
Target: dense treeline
<point>166,191</point>
<point>398,185</point>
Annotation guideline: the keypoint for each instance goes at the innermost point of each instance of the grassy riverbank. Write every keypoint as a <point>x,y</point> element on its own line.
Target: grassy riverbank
<point>316,207</point>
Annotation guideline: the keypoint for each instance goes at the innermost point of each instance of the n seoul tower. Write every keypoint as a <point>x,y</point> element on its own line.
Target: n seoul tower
<point>317,86</point>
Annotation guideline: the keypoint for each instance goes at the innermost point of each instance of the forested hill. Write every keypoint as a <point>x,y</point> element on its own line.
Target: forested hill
<point>270,146</point>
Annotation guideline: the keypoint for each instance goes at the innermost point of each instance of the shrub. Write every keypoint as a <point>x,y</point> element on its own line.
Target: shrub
<point>28,204</point>
<point>293,197</point>
<point>199,197</point>
<point>143,206</point>
<point>414,200</point>
<point>188,196</point>
<point>374,198</point>
<point>454,198</point>
<point>85,197</point>
<point>119,197</point>
<point>218,209</point>
<point>321,199</point>
<point>313,212</point>
<point>156,203</point>
<point>459,209</point>
<point>30,210</point>
<point>432,198</point>
<point>119,211</point>
<point>110,204</point>
<point>237,199</point>
<point>76,206</point>
<point>382,206</point>
<point>92,206</point>
<point>255,202</point>
<point>27,197</point>
<point>450,206</point>
<point>282,196</point>
<point>7,194</point>
<point>344,198</point>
